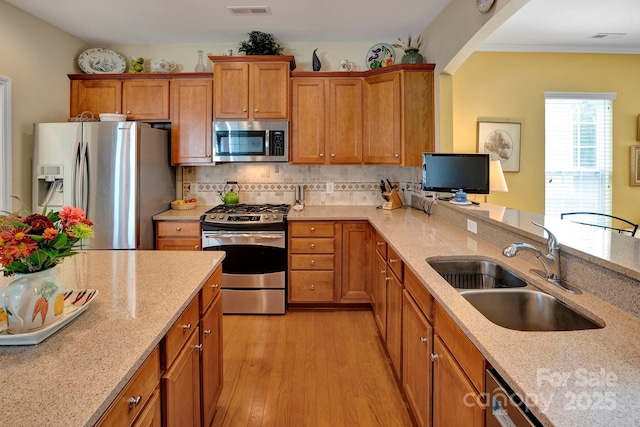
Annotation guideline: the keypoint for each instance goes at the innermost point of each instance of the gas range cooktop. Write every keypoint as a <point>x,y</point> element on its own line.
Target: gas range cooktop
<point>247,214</point>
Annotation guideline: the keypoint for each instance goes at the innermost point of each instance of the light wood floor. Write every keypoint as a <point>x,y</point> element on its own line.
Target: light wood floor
<point>307,369</point>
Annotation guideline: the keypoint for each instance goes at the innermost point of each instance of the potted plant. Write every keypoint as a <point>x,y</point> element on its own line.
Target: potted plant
<point>411,52</point>
<point>260,43</point>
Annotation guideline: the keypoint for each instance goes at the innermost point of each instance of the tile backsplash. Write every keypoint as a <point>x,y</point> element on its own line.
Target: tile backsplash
<point>275,182</point>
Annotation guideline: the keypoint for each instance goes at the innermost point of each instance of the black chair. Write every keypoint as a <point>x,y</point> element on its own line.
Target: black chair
<point>591,218</point>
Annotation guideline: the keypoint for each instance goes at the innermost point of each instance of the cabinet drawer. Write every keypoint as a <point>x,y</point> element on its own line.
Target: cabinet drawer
<point>178,228</point>
<point>141,386</point>
<point>304,245</point>
<point>306,228</point>
<point>381,244</point>
<point>312,286</point>
<point>395,263</point>
<point>178,243</point>
<point>419,293</point>
<point>312,262</point>
<point>180,331</point>
<point>468,356</point>
<point>210,289</point>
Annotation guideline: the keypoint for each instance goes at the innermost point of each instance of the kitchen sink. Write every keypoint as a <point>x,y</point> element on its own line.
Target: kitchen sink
<point>476,274</point>
<point>508,300</point>
<point>527,310</point>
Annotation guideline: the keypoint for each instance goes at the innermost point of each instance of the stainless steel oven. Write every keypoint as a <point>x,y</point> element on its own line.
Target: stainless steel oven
<point>255,267</point>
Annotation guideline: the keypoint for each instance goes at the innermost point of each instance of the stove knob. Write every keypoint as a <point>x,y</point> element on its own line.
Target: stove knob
<point>266,216</point>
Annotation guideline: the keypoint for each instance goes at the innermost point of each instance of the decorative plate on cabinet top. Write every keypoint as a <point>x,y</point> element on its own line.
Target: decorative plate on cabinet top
<point>101,61</point>
<point>380,55</point>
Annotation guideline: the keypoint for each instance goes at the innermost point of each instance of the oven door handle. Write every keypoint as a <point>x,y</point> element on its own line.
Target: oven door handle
<point>243,235</point>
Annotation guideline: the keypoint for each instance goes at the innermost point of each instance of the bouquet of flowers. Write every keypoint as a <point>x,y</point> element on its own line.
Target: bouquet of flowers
<point>40,241</point>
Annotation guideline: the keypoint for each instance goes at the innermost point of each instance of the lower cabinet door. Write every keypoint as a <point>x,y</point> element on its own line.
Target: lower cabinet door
<point>151,415</point>
<point>211,359</point>
<point>181,387</point>
<point>455,400</point>
<point>417,344</point>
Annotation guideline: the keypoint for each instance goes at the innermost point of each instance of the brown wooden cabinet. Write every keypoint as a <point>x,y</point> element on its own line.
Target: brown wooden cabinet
<point>356,261</point>
<point>211,341</point>
<point>455,400</point>
<point>96,96</point>
<point>151,415</point>
<point>251,89</point>
<point>178,235</point>
<point>137,400</point>
<point>398,115</point>
<point>181,360</point>
<point>144,98</point>
<point>313,273</point>
<point>379,293</point>
<point>417,346</point>
<point>191,118</point>
<point>326,126</point>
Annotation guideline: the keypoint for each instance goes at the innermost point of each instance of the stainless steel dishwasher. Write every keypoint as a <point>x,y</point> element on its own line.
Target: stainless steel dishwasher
<point>505,409</point>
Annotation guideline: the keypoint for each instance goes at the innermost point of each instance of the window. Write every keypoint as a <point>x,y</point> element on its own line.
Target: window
<point>578,152</point>
<point>5,144</point>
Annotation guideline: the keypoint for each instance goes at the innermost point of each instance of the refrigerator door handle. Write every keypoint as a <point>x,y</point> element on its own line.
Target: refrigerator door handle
<point>83,188</point>
<point>76,175</point>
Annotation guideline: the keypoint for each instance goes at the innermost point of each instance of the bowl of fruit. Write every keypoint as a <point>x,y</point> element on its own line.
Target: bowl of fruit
<point>184,204</point>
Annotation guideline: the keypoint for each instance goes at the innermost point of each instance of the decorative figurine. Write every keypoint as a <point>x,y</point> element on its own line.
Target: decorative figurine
<point>316,61</point>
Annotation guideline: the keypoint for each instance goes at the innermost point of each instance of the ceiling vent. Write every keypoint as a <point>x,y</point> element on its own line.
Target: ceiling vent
<point>249,10</point>
<point>608,35</point>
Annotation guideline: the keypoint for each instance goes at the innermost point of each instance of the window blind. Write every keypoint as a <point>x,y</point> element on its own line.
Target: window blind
<point>578,141</point>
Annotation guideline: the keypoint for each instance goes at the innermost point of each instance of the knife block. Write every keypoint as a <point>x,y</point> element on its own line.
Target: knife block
<point>394,202</point>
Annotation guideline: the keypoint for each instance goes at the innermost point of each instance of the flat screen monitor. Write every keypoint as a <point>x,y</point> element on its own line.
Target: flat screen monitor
<point>454,172</point>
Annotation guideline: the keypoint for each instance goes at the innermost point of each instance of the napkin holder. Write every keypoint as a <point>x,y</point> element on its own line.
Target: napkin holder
<point>392,200</point>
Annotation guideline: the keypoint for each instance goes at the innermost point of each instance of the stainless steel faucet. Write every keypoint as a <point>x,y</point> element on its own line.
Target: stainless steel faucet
<point>550,260</point>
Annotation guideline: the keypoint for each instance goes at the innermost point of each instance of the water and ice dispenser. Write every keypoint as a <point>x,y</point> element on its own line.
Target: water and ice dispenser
<point>50,188</point>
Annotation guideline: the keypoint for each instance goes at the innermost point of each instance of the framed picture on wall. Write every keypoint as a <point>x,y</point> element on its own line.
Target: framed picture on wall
<point>635,165</point>
<point>502,141</point>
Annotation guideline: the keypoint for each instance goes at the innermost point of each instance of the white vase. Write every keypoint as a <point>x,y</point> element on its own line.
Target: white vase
<point>33,301</point>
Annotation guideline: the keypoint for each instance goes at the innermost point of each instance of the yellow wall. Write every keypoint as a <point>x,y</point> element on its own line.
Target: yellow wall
<point>510,86</point>
<point>37,58</point>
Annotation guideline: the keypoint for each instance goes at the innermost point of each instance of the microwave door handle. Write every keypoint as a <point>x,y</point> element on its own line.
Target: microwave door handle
<point>267,137</point>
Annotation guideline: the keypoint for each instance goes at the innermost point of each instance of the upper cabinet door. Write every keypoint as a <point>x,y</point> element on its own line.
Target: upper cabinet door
<point>231,90</point>
<point>269,90</point>
<point>345,121</point>
<point>191,121</point>
<point>382,125</point>
<point>307,121</point>
<point>96,96</point>
<point>146,99</point>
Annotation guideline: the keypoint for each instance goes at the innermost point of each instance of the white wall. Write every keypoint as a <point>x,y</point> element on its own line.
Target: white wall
<point>37,58</point>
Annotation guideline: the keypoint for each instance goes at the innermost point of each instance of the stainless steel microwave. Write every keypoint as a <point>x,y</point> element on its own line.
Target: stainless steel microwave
<point>251,141</point>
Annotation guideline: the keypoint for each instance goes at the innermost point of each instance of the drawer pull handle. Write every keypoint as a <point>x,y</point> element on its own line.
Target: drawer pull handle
<point>313,229</point>
<point>424,339</point>
<point>313,246</point>
<point>313,262</point>
<point>383,271</point>
<point>313,287</point>
<point>178,228</point>
<point>379,243</point>
<point>387,278</point>
<point>391,260</point>
<point>196,247</point>
<point>207,332</point>
<point>255,111</point>
<point>434,357</point>
<point>396,155</point>
<point>134,401</point>
<point>186,327</point>
<point>215,285</point>
<point>333,155</point>
<point>321,154</point>
<point>244,110</point>
<point>198,347</point>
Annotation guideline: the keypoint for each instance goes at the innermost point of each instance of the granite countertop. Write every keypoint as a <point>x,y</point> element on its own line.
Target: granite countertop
<point>72,377</point>
<point>600,368</point>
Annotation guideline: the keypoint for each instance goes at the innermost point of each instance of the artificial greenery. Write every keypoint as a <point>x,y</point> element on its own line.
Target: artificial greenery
<point>260,43</point>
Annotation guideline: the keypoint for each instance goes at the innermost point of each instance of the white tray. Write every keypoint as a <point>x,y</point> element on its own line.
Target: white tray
<point>75,303</point>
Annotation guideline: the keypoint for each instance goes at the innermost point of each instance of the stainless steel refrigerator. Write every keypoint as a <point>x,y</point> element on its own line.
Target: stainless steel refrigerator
<point>118,172</point>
